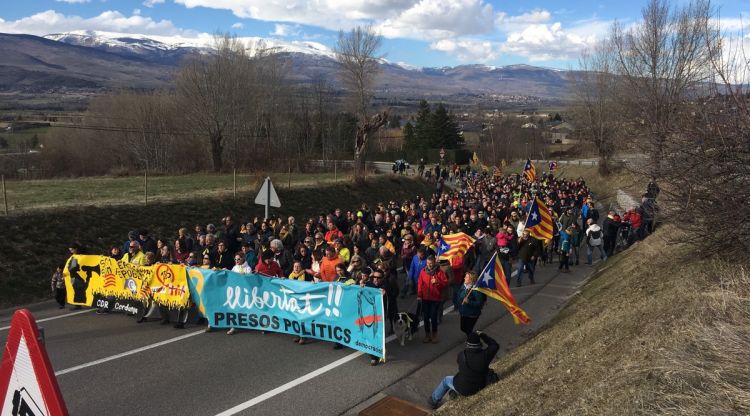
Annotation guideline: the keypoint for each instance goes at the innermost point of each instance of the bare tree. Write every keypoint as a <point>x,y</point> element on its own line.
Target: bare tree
<point>211,89</point>
<point>595,101</point>
<point>664,61</point>
<point>357,54</point>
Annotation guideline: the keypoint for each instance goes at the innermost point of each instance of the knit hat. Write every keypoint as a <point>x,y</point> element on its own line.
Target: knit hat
<point>473,341</point>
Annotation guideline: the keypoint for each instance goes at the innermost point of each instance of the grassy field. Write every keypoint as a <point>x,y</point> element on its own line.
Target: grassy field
<point>34,242</point>
<point>659,330</point>
<point>54,193</point>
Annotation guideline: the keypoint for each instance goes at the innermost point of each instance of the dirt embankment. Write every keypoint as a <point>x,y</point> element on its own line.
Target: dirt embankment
<point>658,330</point>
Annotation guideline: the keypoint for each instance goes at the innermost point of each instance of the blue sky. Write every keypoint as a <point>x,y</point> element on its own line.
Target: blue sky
<point>429,33</point>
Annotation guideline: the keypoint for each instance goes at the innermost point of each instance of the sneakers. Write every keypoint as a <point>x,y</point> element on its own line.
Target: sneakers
<point>427,339</point>
<point>374,362</point>
<point>231,331</point>
<point>179,325</point>
<point>338,347</point>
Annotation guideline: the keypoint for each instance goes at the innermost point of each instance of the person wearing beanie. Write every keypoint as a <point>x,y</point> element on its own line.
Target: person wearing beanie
<point>473,368</point>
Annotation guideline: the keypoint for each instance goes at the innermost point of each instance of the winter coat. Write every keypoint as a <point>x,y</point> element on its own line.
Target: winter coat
<point>473,366</point>
<point>528,248</point>
<point>474,304</point>
<point>426,290</point>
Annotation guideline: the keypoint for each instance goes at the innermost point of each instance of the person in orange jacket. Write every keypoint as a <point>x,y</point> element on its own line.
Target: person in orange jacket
<point>430,285</point>
<point>328,265</point>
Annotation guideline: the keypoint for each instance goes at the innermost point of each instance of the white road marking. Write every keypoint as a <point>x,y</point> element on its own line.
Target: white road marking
<point>126,353</point>
<point>55,317</point>
<point>307,377</point>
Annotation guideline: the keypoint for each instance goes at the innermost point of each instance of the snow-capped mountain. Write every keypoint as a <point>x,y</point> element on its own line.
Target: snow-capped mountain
<point>171,47</point>
<point>86,62</point>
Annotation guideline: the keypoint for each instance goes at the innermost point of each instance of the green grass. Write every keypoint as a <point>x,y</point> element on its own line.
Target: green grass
<point>53,193</point>
<point>34,242</point>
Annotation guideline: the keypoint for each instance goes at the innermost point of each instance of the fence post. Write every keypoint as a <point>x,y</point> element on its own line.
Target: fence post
<point>145,186</point>
<point>335,176</point>
<point>5,197</point>
<point>234,186</point>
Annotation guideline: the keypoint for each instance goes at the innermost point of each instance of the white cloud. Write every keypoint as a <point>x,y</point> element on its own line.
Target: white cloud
<point>286,30</point>
<point>50,21</point>
<point>73,1</point>
<point>136,12</point>
<point>152,3</point>
<point>469,50</point>
<point>440,19</point>
<point>514,23</point>
<point>238,25</point>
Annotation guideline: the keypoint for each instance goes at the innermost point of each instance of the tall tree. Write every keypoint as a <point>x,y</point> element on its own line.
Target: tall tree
<point>357,55</point>
<point>664,61</point>
<point>423,127</point>
<point>211,88</point>
<point>445,129</point>
<point>595,101</point>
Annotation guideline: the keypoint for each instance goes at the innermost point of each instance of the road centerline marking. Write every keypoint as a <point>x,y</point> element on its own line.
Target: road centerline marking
<point>127,353</point>
<point>52,318</point>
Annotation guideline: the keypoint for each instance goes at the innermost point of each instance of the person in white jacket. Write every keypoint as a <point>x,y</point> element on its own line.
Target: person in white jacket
<point>594,240</point>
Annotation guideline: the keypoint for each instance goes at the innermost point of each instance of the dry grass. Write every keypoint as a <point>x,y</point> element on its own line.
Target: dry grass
<point>656,331</point>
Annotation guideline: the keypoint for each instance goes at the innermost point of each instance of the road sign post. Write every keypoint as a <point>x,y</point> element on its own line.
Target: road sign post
<point>267,196</point>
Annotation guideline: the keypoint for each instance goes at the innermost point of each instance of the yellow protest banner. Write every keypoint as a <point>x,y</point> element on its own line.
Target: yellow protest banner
<point>169,285</point>
<point>86,276</point>
<point>82,275</point>
<point>124,280</point>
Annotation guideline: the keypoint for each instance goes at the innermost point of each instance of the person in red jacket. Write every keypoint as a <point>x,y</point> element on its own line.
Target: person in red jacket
<point>268,267</point>
<point>430,285</point>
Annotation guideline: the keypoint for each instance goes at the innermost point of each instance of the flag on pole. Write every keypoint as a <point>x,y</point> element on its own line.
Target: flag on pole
<point>492,283</point>
<point>539,222</point>
<point>529,172</point>
<point>453,244</point>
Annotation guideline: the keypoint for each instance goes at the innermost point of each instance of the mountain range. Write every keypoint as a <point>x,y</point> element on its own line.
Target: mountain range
<point>88,62</point>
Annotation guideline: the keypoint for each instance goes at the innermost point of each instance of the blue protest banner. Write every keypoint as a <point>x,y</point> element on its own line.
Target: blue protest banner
<point>349,315</point>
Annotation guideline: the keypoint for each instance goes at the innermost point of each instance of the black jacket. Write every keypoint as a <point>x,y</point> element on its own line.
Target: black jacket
<point>473,364</point>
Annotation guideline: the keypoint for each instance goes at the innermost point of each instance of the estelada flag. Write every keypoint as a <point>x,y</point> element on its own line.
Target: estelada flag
<point>454,244</point>
<point>492,283</point>
<point>539,222</point>
<point>529,172</point>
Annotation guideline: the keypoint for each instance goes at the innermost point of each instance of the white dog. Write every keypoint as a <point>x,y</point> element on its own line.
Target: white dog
<point>402,327</point>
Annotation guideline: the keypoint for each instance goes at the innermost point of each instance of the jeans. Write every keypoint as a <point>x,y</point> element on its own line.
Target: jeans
<point>430,309</point>
<point>467,324</point>
<point>563,261</point>
<point>528,266</point>
<point>590,251</point>
<point>507,269</point>
<point>410,287</point>
<point>442,388</point>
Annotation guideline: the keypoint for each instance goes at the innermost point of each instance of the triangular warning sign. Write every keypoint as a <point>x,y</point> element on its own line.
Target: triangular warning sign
<point>267,195</point>
<point>28,386</point>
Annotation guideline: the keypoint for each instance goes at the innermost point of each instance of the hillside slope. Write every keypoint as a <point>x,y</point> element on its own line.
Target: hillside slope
<point>657,330</point>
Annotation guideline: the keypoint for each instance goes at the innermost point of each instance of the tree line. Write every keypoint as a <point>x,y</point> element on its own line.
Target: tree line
<point>673,89</point>
<point>228,109</point>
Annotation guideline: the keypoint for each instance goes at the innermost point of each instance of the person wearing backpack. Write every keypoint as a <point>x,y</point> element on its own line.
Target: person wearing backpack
<point>594,240</point>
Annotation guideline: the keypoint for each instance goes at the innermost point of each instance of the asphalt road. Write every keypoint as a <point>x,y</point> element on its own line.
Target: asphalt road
<point>109,364</point>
